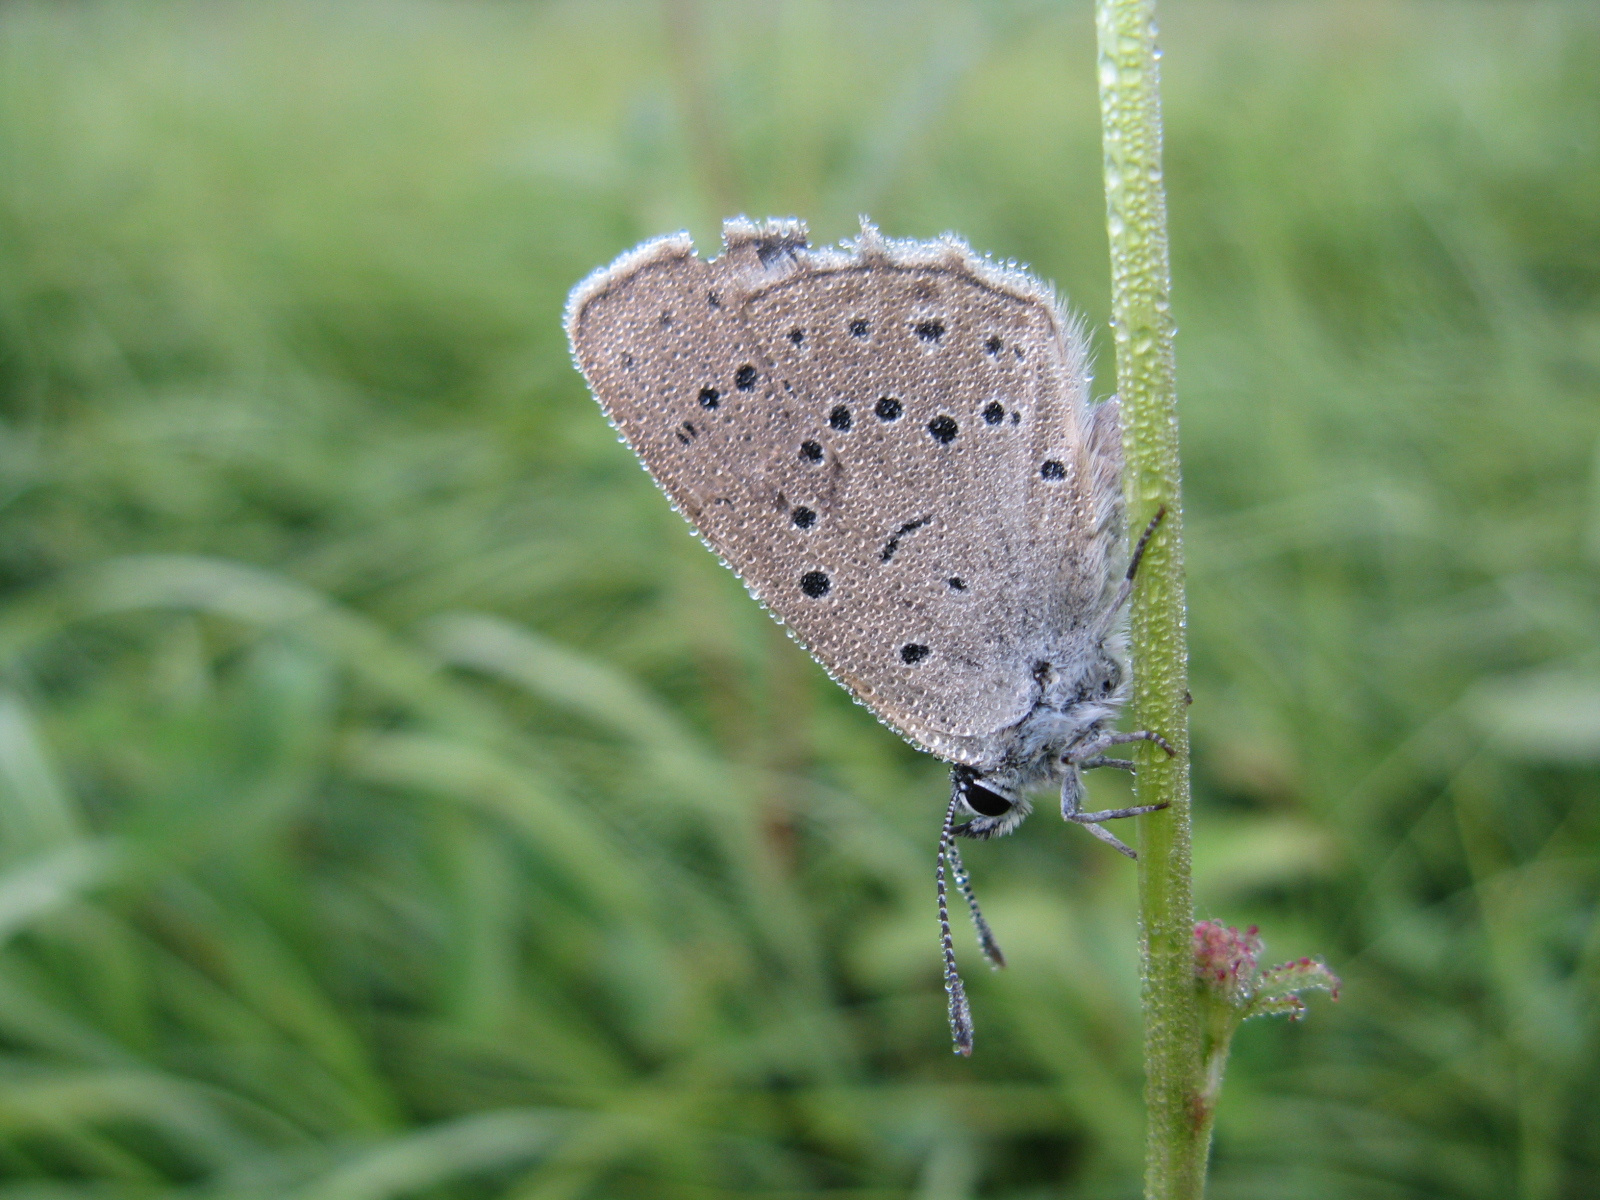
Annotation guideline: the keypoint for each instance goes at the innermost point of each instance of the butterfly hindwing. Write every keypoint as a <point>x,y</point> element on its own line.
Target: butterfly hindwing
<point>891,444</point>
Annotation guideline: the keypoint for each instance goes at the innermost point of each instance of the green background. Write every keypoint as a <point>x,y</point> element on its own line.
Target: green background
<point>396,801</point>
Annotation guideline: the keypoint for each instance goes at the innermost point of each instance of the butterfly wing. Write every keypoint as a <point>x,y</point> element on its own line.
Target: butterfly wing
<point>891,444</point>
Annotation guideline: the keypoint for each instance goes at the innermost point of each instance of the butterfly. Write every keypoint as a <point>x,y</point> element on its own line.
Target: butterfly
<point>893,445</point>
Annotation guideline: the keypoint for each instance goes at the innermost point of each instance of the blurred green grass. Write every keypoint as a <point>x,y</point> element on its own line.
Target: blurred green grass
<point>394,802</point>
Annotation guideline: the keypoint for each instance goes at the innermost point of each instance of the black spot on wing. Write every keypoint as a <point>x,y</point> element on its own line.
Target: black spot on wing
<point>893,543</point>
<point>815,584</point>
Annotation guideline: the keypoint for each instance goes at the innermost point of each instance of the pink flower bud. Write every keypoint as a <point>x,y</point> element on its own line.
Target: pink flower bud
<point>1227,965</point>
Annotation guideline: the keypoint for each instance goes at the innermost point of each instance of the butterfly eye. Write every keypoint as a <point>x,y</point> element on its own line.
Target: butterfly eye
<point>984,802</point>
<point>978,798</point>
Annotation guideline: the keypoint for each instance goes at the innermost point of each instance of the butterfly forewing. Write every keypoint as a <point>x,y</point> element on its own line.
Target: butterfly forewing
<point>892,447</point>
<point>670,367</point>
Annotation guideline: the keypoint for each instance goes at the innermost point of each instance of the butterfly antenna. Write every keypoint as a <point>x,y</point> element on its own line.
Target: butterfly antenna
<point>991,948</point>
<point>1144,540</point>
<point>1134,559</point>
<point>960,1012</point>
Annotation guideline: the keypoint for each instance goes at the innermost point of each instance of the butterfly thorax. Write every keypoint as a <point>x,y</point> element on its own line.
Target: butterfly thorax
<point>1077,701</point>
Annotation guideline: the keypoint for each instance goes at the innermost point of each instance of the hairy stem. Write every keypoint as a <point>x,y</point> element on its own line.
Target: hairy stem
<point>1178,1105</point>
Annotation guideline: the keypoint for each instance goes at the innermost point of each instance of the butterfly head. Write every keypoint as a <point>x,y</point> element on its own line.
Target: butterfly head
<point>990,804</point>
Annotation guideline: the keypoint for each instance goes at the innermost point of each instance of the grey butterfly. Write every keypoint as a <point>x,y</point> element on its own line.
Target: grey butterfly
<point>892,443</point>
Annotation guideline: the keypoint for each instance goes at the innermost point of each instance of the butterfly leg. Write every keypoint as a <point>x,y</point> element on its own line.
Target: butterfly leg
<point>1141,735</point>
<point>1072,810</point>
<point>1088,756</point>
<point>1100,760</point>
<point>1105,739</point>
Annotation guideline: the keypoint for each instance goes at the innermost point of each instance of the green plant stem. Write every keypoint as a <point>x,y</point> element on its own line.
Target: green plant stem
<point>1179,1109</point>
